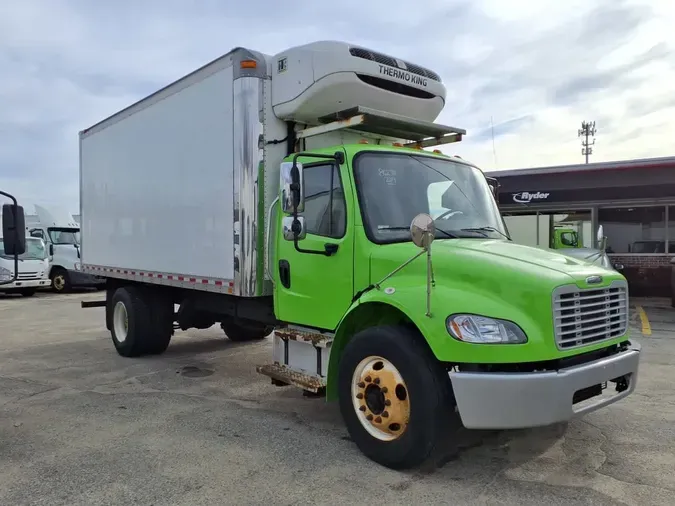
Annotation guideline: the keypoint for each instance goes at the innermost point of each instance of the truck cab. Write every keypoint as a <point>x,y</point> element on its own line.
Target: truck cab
<point>33,271</point>
<point>59,230</point>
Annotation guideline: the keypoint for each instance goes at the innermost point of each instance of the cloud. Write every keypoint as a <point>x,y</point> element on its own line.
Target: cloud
<point>536,70</point>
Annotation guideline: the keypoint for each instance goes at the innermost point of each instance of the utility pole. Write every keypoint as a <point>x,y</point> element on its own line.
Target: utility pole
<point>587,130</point>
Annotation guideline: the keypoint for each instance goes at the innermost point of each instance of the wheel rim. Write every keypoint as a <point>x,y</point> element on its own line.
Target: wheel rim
<point>380,398</point>
<point>59,282</point>
<point>120,322</point>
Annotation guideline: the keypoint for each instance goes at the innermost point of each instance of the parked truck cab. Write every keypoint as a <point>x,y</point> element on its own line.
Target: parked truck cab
<point>61,233</point>
<point>33,268</point>
<point>300,198</point>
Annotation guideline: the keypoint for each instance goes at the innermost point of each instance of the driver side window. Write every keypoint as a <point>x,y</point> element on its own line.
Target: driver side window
<point>324,216</point>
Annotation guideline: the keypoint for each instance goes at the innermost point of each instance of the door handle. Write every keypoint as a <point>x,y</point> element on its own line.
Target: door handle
<point>285,273</point>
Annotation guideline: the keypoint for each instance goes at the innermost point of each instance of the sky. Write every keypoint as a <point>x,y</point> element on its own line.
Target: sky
<point>521,75</point>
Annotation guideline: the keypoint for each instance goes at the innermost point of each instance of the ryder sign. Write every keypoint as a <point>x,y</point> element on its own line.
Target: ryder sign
<point>527,197</point>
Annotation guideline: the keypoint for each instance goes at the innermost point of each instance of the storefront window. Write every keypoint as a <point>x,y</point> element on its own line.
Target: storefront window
<point>556,230</point>
<point>569,229</point>
<point>522,227</point>
<point>634,229</point>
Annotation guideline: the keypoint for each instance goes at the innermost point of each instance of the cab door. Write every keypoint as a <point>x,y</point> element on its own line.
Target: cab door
<point>315,290</point>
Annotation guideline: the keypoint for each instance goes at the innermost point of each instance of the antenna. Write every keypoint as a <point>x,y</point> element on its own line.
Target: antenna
<point>587,130</point>
<point>494,150</point>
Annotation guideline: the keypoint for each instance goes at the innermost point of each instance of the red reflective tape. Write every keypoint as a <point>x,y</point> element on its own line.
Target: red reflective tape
<point>150,274</point>
<point>181,278</point>
<point>169,276</point>
<point>219,283</point>
<point>193,280</point>
<point>159,276</point>
<point>205,281</point>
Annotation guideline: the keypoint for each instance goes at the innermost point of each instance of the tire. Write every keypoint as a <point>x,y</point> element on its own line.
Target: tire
<point>412,382</point>
<point>60,280</point>
<point>239,330</point>
<point>138,325</point>
<point>28,292</point>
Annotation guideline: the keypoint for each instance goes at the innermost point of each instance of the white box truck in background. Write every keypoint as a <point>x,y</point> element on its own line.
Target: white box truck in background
<point>292,193</point>
<point>61,233</point>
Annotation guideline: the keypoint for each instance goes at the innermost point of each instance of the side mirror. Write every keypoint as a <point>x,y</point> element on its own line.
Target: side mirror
<point>290,225</point>
<point>494,186</point>
<point>602,240</point>
<point>13,229</point>
<point>422,230</point>
<point>291,182</point>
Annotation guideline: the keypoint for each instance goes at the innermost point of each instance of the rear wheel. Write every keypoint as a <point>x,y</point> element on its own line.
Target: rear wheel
<point>139,326</point>
<point>239,330</point>
<point>394,396</point>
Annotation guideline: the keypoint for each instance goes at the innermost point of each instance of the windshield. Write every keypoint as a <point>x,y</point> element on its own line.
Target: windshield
<point>393,188</point>
<point>64,235</point>
<point>35,250</point>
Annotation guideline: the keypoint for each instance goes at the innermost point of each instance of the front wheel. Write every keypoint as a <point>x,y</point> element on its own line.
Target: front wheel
<point>60,280</point>
<point>395,398</point>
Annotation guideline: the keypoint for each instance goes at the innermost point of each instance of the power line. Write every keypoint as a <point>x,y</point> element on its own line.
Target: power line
<point>587,130</point>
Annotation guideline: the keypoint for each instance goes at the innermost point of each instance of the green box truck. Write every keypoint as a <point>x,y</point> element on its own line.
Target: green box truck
<point>296,195</point>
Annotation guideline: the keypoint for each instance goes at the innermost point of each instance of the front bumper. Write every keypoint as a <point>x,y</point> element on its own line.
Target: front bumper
<point>520,400</point>
<point>23,284</point>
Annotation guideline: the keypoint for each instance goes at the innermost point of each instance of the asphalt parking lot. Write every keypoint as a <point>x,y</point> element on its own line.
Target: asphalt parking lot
<point>197,425</point>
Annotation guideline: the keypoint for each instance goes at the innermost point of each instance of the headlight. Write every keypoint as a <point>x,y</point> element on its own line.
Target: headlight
<point>5,274</point>
<point>483,330</point>
<point>78,266</point>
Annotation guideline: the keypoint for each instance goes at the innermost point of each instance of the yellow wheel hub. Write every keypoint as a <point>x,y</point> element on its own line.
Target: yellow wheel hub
<point>380,398</point>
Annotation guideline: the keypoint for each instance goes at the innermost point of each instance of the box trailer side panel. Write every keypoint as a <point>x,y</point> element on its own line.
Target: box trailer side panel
<point>158,183</point>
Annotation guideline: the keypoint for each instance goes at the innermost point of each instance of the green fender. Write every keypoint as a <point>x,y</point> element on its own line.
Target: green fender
<point>372,309</point>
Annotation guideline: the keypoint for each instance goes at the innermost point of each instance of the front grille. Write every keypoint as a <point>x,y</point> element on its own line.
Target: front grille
<point>366,54</point>
<point>588,316</point>
<point>27,275</point>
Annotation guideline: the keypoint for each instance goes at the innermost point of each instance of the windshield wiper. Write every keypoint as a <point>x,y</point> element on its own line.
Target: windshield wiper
<point>485,229</point>
<point>407,229</point>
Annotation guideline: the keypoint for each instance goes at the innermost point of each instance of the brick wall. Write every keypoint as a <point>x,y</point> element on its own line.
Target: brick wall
<point>648,276</point>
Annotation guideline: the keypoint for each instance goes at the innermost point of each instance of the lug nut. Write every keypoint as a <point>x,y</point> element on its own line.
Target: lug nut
<point>385,414</point>
<point>368,379</point>
<point>387,402</point>
<point>376,381</point>
<point>384,390</point>
<point>359,395</point>
<point>362,385</point>
<point>369,418</point>
<point>378,419</point>
<point>362,408</point>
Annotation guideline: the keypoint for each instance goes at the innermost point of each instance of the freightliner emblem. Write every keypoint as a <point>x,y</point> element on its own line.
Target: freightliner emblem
<point>594,280</point>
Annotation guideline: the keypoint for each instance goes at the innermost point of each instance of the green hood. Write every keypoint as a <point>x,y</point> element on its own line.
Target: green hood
<point>492,261</point>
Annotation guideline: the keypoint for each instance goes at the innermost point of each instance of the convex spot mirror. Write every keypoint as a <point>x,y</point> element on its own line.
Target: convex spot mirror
<point>291,183</point>
<point>13,229</point>
<point>290,224</point>
<point>422,230</point>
